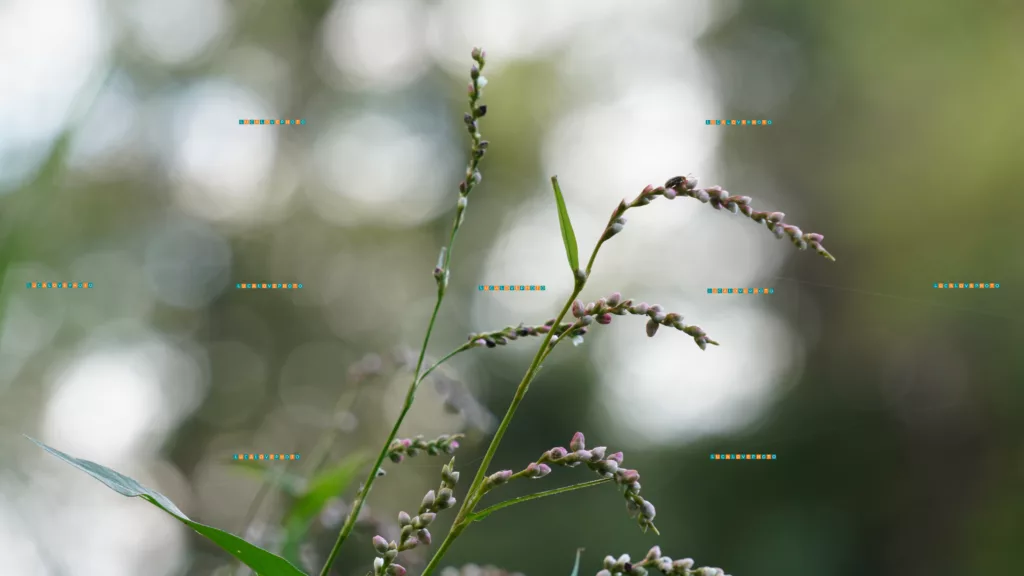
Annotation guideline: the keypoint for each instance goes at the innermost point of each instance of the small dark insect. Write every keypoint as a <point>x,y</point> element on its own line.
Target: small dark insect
<point>675,181</point>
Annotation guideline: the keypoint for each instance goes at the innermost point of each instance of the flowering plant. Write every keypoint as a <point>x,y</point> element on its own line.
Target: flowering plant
<point>572,323</point>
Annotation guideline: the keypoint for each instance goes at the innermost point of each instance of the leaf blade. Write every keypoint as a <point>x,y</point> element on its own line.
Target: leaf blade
<point>261,561</point>
<point>565,224</point>
<point>322,488</point>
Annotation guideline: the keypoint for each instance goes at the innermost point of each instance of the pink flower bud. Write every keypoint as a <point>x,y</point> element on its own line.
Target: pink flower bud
<point>577,308</point>
<point>423,536</point>
<point>380,544</point>
<point>556,453</point>
<point>653,554</point>
<point>396,570</point>
<point>776,217</point>
<point>647,190</point>
<point>605,318</point>
<point>614,299</point>
<point>628,476</point>
<point>404,519</point>
<point>578,442</point>
<point>617,457</point>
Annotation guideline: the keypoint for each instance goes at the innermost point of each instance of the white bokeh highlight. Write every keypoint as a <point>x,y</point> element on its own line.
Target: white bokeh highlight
<point>180,31</point>
<point>44,64</point>
<point>376,44</point>
<point>376,169</point>
<point>222,167</point>
<point>665,390</point>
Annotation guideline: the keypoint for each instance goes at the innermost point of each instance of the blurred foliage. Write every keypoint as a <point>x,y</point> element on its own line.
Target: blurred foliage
<point>901,439</point>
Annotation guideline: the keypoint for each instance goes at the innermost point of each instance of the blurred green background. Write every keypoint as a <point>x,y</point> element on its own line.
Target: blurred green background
<point>895,409</point>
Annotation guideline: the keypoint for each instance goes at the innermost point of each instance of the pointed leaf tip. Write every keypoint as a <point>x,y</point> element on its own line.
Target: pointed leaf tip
<point>262,562</point>
<point>568,236</point>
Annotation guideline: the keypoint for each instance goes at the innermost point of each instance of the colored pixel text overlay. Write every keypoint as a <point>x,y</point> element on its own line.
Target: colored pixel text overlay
<point>743,457</point>
<point>510,287</point>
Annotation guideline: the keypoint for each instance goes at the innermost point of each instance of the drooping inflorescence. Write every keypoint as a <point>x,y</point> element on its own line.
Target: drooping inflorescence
<point>597,459</point>
<point>654,560</point>
<point>415,530</point>
<point>402,447</point>
<point>719,199</point>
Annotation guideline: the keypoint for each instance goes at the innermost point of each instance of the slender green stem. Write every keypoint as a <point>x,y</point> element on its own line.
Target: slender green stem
<point>477,516</point>
<point>442,275</point>
<point>517,399</point>
<point>360,499</point>
<point>473,495</point>
<point>444,359</point>
<point>453,534</point>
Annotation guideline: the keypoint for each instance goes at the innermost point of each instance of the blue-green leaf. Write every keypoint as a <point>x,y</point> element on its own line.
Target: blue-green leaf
<point>262,562</point>
<point>576,567</point>
<point>568,236</point>
<point>330,483</point>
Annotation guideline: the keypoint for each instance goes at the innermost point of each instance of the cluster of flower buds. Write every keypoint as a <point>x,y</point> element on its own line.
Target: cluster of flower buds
<point>719,199</point>
<point>508,333</point>
<point>598,460</point>
<point>622,566</point>
<point>475,570</point>
<point>475,89</point>
<point>414,531</point>
<point>604,309</point>
<point>402,447</point>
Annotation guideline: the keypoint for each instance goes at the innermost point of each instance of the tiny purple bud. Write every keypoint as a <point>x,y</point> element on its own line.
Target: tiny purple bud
<point>404,519</point>
<point>556,453</point>
<point>605,318</point>
<point>471,89</point>
<point>423,536</point>
<point>396,570</point>
<point>617,457</point>
<point>702,195</point>
<point>577,308</point>
<point>628,476</point>
<point>380,544</point>
<point>578,442</point>
<point>793,231</point>
<point>583,455</point>
<point>641,309</point>
<point>670,193</point>
<point>598,453</point>
<point>652,328</point>
<point>776,217</point>
<point>616,297</point>
<point>647,190</point>
<point>813,237</point>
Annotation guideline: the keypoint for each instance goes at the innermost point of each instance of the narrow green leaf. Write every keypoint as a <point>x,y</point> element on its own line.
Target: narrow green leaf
<point>330,483</point>
<point>262,562</point>
<point>576,567</point>
<point>568,236</point>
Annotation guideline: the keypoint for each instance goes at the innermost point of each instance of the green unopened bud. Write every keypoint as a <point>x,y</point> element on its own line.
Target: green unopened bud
<point>428,501</point>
